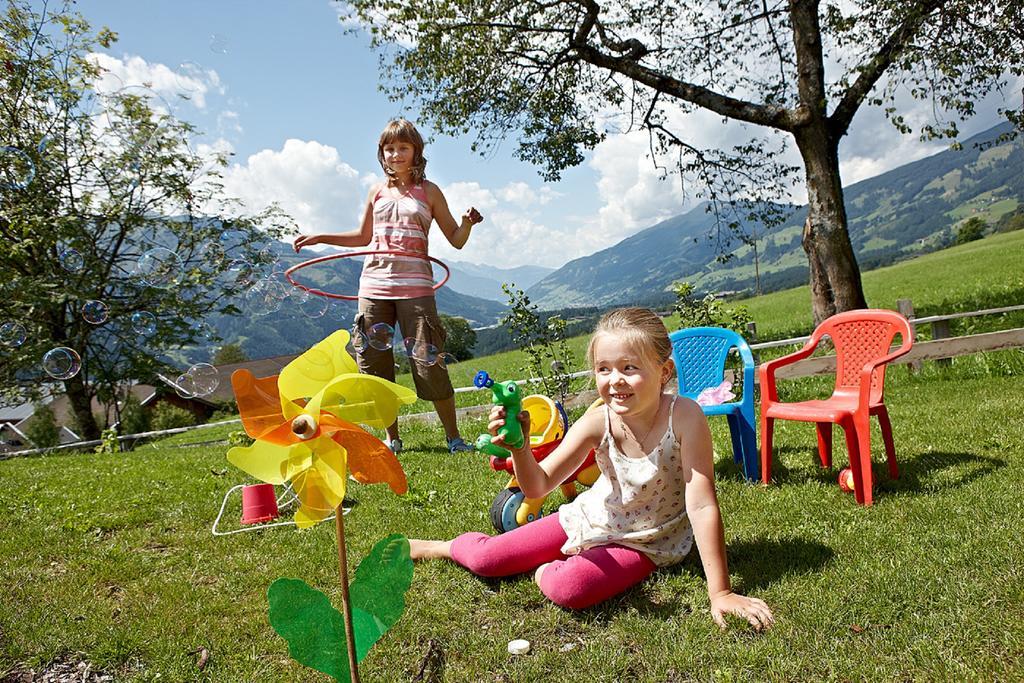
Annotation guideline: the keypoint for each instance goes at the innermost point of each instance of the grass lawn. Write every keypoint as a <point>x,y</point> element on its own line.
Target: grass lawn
<point>111,556</point>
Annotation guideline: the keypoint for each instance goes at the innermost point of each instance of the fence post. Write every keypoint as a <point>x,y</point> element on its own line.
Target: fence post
<point>751,337</point>
<point>905,307</point>
<point>940,330</point>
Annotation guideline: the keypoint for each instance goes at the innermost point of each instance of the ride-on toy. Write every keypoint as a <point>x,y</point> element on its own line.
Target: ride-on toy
<point>548,425</point>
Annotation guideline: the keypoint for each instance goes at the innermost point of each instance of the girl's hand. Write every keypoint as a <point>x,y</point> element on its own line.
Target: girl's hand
<point>305,241</point>
<point>754,610</point>
<point>473,216</point>
<point>497,421</point>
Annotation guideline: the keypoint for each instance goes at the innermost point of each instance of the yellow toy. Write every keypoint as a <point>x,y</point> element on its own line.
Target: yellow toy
<point>548,425</point>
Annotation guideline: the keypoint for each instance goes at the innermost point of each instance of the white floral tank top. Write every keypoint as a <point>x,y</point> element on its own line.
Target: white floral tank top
<point>636,502</point>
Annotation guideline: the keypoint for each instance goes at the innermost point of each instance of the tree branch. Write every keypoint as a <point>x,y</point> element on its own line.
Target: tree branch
<point>840,119</point>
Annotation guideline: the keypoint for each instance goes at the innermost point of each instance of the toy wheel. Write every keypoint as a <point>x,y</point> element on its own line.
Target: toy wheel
<point>504,508</point>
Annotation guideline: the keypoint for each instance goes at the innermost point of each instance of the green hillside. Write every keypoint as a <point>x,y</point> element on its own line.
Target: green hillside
<point>910,210</point>
<point>983,274</point>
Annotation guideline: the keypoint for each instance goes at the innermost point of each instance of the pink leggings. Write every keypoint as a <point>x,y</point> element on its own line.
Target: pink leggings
<point>576,581</point>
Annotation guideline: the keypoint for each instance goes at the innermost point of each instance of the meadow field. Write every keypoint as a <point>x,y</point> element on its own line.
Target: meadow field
<point>109,559</point>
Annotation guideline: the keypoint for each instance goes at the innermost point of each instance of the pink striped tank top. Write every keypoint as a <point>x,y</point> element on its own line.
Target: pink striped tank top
<point>400,223</point>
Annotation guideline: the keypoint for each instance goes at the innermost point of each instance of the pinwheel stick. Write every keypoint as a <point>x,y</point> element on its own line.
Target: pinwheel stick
<point>350,638</point>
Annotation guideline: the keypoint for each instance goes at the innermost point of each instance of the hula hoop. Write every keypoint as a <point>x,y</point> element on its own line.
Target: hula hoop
<point>347,297</point>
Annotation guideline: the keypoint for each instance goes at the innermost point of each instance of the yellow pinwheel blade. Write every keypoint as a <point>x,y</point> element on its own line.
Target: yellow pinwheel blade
<point>265,461</point>
<point>321,488</point>
<point>305,376</point>
<point>365,398</point>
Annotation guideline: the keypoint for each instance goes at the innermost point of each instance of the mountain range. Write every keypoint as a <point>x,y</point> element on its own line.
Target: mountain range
<point>903,212</point>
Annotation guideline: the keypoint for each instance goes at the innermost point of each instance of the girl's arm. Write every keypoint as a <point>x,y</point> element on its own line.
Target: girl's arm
<point>706,518</point>
<point>457,234</point>
<point>353,238</point>
<point>537,479</point>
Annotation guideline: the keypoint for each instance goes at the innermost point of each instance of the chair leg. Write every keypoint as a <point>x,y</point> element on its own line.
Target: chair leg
<point>767,426</point>
<point>890,446</point>
<point>748,441</point>
<point>853,452</point>
<point>863,427</point>
<point>734,433</point>
<point>824,443</point>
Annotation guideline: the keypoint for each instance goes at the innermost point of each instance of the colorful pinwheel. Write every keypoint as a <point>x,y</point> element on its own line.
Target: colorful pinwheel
<point>304,423</point>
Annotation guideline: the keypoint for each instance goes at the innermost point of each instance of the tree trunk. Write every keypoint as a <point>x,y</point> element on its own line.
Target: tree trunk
<point>835,276</point>
<point>81,406</point>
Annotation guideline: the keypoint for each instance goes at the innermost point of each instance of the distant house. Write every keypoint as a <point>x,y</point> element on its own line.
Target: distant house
<point>265,367</point>
<point>14,419</point>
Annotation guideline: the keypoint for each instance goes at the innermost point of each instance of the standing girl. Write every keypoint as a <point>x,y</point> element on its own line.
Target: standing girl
<point>656,495</point>
<point>399,288</point>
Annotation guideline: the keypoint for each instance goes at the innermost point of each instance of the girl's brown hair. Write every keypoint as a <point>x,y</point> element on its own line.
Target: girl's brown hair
<point>641,328</point>
<point>401,130</point>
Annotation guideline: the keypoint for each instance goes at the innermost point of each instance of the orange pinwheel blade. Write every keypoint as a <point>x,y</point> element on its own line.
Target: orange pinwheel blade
<point>369,460</point>
<point>259,404</point>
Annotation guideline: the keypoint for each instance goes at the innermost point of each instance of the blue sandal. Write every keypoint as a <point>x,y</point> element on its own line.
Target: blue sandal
<point>457,445</point>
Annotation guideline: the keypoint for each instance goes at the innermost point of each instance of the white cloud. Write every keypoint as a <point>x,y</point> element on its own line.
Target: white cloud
<point>189,80</point>
<point>309,181</point>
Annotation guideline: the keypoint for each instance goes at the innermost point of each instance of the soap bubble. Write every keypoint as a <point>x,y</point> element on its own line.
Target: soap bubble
<point>159,267</point>
<point>381,336</point>
<point>241,271</point>
<point>12,334</point>
<point>446,360</point>
<point>357,343</point>
<point>95,312</point>
<point>420,351</point>
<point>205,378</point>
<point>313,306</point>
<point>71,260</point>
<point>219,44</point>
<point>44,142</point>
<point>144,323</point>
<point>62,363</point>
<point>189,77</point>
<point>16,169</point>
<point>202,379</point>
<point>264,297</point>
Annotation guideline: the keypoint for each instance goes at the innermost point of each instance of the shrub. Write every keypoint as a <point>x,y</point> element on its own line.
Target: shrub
<point>169,416</point>
<point>134,418</point>
<point>42,430</point>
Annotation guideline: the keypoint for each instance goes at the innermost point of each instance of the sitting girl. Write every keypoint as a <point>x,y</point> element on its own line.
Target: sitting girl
<point>656,495</point>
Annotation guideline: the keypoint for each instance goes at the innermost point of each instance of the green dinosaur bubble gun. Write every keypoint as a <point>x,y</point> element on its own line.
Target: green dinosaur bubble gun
<point>504,394</point>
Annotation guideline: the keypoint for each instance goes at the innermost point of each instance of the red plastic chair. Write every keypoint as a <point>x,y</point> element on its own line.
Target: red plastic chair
<point>862,340</point>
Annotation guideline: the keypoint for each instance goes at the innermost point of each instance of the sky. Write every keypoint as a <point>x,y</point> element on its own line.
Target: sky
<point>295,99</point>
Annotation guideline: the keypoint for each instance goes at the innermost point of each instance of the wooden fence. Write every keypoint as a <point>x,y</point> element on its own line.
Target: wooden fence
<point>940,348</point>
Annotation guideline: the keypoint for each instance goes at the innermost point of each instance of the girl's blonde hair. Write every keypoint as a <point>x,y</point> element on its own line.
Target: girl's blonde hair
<point>641,328</point>
<point>401,130</point>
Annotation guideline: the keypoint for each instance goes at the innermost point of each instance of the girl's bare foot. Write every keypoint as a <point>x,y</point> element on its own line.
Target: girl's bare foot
<point>430,550</point>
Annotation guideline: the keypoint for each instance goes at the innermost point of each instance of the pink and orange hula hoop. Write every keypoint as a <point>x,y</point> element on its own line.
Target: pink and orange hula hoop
<point>348,297</point>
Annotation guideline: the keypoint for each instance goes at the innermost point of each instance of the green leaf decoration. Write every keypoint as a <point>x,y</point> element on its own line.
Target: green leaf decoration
<point>315,630</point>
<point>381,581</point>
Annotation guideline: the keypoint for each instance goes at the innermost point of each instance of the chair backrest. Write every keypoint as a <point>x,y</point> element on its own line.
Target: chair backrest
<point>861,336</point>
<point>700,354</point>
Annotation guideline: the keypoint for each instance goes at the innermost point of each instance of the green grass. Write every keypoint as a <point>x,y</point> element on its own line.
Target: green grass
<point>983,274</point>
<point>111,556</point>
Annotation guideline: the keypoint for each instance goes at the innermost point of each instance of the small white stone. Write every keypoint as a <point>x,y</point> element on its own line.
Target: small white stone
<point>518,647</point>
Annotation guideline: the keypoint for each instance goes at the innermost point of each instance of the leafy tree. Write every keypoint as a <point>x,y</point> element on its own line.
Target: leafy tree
<point>102,200</point>
<point>229,353</point>
<point>972,229</point>
<point>564,72</point>
<point>42,429</point>
<point>1011,222</point>
<point>461,337</point>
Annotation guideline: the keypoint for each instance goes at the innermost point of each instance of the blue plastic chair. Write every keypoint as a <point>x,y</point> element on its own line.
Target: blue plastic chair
<point>700,354</point>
